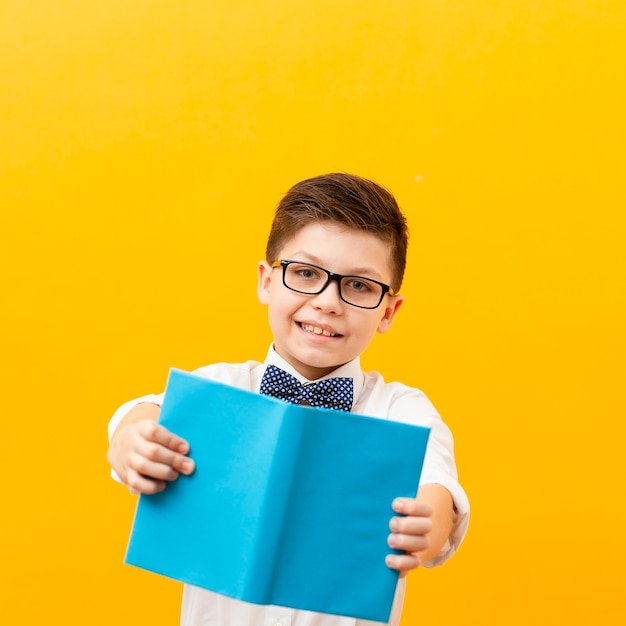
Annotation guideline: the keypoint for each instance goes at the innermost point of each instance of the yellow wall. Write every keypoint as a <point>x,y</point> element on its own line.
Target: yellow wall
<point>143,146</point>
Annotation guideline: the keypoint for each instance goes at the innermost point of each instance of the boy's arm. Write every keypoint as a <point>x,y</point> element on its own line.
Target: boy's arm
<point>144,454</point>
<point>422,529</point>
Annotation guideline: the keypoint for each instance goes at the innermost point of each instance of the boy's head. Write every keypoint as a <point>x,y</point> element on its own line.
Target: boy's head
<point>335,258</point>
<point>347,200</point>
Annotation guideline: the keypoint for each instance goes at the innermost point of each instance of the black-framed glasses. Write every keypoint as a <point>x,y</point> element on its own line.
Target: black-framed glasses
<point>364,293</point>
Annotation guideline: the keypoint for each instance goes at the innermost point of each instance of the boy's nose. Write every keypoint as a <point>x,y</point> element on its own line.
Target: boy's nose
<point>329,298</point>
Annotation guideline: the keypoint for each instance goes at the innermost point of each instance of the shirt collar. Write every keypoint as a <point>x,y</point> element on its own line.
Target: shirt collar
<point>352,369</point>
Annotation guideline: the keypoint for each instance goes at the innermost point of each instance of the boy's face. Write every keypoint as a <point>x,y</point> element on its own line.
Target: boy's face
<point>295,317</point>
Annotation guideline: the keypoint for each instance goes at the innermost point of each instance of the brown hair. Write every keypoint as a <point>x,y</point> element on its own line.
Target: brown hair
<point>345,199</point>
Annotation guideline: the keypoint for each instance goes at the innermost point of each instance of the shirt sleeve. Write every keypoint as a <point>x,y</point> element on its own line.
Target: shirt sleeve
<point>411,406</point>
<point>440,468</point>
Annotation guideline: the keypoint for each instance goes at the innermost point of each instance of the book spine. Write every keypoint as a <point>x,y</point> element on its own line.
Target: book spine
<point>266,557</point>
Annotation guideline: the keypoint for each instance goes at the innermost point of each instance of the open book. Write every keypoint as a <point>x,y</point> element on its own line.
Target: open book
<point>289,505</point>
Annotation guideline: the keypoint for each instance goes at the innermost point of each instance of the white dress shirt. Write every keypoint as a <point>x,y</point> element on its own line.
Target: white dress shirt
<point>372,397</point>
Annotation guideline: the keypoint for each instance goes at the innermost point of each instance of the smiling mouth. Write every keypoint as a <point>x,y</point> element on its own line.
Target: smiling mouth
<point>316,330</point>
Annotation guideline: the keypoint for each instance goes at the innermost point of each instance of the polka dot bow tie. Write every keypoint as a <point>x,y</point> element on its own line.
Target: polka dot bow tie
<point>330,393</point>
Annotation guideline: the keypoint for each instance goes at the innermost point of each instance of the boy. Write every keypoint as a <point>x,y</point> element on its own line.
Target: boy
<point>334,263</point>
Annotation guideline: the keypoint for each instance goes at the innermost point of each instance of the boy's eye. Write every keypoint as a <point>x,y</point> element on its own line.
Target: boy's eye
<point>306,272</point>
<point>356,284</point>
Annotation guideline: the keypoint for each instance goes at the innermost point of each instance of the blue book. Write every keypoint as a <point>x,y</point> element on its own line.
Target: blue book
<point>289,505</point>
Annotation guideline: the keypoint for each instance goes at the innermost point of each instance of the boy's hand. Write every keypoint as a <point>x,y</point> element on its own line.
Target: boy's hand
<point>409,532</point>
<point>146,456</point>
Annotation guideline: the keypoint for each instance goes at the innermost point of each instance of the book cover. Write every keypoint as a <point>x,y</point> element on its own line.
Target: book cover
<point>289,505</point>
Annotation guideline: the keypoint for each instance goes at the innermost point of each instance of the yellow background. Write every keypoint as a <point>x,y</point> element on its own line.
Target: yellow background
<point>143,147</point>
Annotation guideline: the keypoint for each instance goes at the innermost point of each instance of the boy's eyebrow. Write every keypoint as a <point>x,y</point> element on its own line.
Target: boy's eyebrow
<point>365,272</point>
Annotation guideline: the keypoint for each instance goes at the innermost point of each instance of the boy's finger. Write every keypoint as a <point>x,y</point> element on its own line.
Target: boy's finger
<point>411,525</point>
<point>402,562</point>
<point>151,469</point>
<point>140,484</point>
<point>157,453</point>
<point>152,431</point>
<point>408,543</point>
<point>411,506</point>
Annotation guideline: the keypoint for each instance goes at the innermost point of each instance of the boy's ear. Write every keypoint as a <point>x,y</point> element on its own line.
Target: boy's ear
<point>265,278</point>
<point>393,304</point>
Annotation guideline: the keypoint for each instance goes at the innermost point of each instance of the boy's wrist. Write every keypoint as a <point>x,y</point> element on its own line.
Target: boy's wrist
<point>142,410</point>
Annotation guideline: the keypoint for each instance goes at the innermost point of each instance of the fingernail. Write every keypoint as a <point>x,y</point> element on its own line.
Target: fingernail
<point>398,506</point>
<point>390,560</point>
<point>394,524</point>
<point>187,467</point>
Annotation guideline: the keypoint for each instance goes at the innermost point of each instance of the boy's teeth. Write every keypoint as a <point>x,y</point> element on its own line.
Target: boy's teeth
<point>317,330</point>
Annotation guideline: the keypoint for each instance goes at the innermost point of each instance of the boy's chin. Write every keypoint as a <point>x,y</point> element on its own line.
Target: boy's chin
<point>314,369</point>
